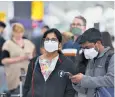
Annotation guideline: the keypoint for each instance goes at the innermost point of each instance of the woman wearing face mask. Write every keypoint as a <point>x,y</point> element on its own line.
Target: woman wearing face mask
<point>16,54</point>
<point>44,78</point>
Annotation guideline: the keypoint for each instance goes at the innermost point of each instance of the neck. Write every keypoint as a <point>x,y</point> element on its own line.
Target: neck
<point>101,49</point>
<point>75,37</point>
<point>51,55</point>
<point>17,39</point>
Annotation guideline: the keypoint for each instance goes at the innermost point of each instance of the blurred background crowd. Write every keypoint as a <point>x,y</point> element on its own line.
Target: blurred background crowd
<point>35,14</point>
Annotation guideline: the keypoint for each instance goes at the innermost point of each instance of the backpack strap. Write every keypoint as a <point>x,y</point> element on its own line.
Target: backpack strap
<point>107,60</point>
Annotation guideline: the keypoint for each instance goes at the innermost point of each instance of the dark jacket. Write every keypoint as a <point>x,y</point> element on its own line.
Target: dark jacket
<point>2,41</point>
<point>55,86</point>
<point>79,60</point>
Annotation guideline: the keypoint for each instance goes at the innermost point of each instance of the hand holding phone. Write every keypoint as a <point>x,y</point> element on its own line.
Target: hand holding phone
<point>62,73</point>
<point>68,74</point>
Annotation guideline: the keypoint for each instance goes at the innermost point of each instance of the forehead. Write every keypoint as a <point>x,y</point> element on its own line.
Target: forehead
<point>51,35</point>
<point>77,20</point>
<point>19,33</point>
<point>44,28</point>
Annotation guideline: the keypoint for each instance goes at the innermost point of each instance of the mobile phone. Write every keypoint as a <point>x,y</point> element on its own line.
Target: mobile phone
<point>62,73</point>
<point>68,74</point>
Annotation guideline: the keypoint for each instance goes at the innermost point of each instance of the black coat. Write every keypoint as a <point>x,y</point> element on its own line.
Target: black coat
<point>55,86</point>
<point>2,41</point>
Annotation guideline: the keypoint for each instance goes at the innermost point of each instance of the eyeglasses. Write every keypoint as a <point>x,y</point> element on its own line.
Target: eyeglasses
<point>52,40</point>
<point>78,24</point>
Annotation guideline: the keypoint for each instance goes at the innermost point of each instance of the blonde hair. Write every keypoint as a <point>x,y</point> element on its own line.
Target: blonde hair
<point>18,27</point>
<point>67,34</point>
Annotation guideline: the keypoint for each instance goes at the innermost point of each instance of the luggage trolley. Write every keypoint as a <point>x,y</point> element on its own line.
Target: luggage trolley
<point>22,80</point>
<point>20,94</point>
<point>3,82</point>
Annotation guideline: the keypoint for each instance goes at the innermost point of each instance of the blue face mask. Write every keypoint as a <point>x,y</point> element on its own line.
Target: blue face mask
<point>76,31</point>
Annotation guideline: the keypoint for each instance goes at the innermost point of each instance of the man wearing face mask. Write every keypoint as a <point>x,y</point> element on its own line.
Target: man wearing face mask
<point>100,71</point>
<point>77,27</point>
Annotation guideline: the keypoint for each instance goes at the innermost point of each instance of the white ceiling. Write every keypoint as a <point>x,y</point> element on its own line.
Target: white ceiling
<point>80,5</point>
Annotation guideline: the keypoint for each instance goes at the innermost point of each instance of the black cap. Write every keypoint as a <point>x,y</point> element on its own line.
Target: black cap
<point>91,35</point>
<point>2,24</point>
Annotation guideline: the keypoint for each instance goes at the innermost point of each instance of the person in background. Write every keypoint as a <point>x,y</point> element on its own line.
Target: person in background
<point>16,54</point>
<point>98,75</point>
<point>2,40</point>
<point>107,40</point>
<point>77,27</point>
<point>113,41</point>
<point>38,41</point>
<point>66,36</point>
<point>43,77</point>
<point>45,28</point>
<point>3,83</point>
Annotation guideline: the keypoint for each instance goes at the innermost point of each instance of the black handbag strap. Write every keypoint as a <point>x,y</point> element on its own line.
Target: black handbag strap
<point>108,59</point>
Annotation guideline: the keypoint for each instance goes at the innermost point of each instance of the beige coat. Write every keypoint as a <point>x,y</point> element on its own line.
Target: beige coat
<point>13,71</point>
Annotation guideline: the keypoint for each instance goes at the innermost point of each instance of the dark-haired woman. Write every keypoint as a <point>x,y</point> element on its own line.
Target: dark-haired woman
<point>107,40</point>
<point>43,78</point>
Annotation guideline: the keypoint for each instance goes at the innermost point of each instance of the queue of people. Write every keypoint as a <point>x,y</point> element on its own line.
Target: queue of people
<point>49,73</point>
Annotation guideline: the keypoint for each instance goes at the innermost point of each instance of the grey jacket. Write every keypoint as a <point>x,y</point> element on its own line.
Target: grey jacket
<point>96,76</point>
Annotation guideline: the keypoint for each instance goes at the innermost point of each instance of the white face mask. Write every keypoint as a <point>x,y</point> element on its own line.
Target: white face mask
<point>90,53</point>
<point>50,46</point>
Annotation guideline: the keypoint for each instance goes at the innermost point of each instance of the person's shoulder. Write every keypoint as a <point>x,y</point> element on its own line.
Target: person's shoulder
<point>66,59</point>
<point>69,65</point>
<point>33,61</point>
<point>8,41</point>
<point>69,42</point>
<point>112,57</point>
<point>7,45</point>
